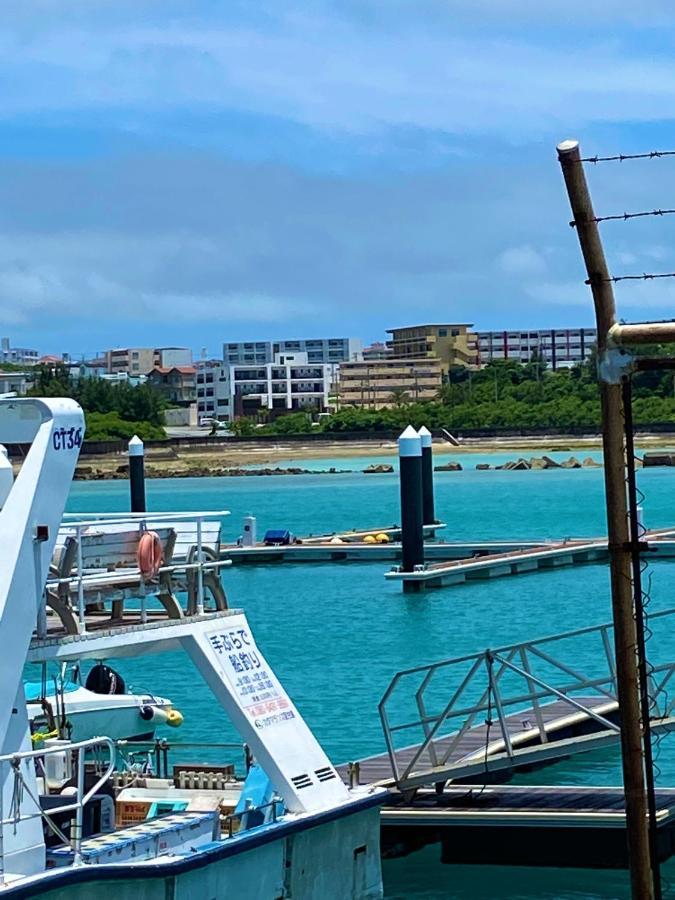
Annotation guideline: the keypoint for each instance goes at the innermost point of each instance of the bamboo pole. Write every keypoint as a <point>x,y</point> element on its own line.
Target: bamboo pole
<point>625,636</point>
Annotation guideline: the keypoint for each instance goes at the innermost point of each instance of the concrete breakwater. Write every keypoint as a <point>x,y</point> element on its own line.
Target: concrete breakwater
<point>93,473</point>
<point>535,462</point>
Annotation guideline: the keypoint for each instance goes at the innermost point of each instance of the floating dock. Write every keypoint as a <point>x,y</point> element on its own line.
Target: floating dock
<point>487,716</point>
<point>579,826</point>
<point>527,558</point>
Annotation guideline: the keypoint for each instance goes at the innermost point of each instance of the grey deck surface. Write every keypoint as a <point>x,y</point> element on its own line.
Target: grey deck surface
<point>548,798</point>
<point>378,768</point>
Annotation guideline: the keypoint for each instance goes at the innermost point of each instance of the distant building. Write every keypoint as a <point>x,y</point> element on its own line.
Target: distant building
<point>214,398</point>
<point>388,382</point>
<point>328,351</point>
<point>560,347</point>
<point>289,383</point>
<point>140,360</point>
<point>177,383</point>
<point>19,356</point>
<point>14,382</point>
<point>377,350</point>
<point>452,344</point>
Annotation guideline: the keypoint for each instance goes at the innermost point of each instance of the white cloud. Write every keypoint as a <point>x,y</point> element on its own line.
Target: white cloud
<point>523,261</point>
<point>332,72</point>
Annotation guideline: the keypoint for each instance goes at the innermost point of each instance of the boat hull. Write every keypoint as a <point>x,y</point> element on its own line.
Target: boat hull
<point>337,858</point>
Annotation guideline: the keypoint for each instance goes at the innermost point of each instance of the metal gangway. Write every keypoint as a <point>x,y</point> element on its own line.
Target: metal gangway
<point>500,710</point>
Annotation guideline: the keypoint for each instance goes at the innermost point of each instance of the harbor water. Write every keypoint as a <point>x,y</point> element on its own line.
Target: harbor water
<point>336,633</point>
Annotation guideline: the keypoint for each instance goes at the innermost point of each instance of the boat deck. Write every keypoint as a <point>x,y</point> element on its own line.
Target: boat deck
<point>102,631</point>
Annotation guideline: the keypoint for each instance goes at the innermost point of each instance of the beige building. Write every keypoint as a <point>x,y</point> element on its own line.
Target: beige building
<point>453,345</point>
<point>388,382</point>
<point>140,360</point>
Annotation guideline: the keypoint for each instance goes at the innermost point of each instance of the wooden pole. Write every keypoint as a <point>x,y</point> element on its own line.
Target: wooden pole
<point>625,635</point>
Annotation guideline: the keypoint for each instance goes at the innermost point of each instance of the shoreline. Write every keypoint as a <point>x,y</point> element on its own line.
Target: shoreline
<point>282,458</point>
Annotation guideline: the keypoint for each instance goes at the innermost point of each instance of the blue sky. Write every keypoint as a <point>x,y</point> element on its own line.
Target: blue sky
<point>194,173</point>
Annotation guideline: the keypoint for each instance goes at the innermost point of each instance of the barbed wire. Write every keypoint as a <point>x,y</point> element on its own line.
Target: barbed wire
<point>624,217</point>
<point>621,157</point>
<point>646,276</point>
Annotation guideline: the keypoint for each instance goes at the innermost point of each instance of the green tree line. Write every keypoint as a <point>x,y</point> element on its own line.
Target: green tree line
<point>503,394</point>
<point>112,411</point>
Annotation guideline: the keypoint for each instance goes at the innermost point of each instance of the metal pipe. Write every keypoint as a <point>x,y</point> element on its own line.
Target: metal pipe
<point>636,532</point>
<point>625,638</point>
<point>200,573</point>
<point>643,333</point>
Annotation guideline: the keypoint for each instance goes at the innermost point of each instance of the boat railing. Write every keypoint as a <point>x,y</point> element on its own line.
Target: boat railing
<point>275,808</point>
<point>199,557</point>
<point>74,803</point>
<point>156,752</point>
<point>502,695</point>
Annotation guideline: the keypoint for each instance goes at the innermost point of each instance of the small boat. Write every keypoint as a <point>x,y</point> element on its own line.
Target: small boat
<point>63,707</point>
<point>102,816</point>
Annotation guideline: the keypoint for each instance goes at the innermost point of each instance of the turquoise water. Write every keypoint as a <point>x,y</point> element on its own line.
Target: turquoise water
<point>336,633</point>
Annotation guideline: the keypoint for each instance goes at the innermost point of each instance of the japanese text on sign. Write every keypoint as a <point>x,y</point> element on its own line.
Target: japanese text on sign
<point>257,690</point>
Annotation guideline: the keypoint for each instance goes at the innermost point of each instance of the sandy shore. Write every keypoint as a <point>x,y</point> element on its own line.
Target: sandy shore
<point>227,455</point>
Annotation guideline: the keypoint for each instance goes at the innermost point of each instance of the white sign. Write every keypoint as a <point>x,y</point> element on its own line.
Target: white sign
<point>255,685</point>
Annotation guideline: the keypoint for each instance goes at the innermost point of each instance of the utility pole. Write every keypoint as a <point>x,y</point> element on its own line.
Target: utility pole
<point>625,634</point>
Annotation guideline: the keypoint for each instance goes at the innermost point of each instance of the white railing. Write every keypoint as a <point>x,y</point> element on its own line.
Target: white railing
<point>78,528</point>
<point>499,687</point>
<point>75,803</point>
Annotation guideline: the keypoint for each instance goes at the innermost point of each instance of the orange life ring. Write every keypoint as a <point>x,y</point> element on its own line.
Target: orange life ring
<point>150,554</point>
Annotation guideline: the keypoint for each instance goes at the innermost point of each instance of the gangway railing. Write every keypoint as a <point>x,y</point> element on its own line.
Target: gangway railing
<point>502,696</point>
<point>76,802</point>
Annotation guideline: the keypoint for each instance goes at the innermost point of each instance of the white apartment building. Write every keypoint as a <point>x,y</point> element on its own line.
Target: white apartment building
<point>214,399</point>
<point>560,347</point>
<point>288,383</point>
<point>329,351</point>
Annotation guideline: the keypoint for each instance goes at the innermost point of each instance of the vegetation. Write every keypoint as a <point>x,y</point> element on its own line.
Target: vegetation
<point>112,411</point>
<point>504,394</point>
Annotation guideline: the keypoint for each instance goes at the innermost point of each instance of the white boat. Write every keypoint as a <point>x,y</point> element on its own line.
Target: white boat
<point>72,823</point>
<point>62,707</point>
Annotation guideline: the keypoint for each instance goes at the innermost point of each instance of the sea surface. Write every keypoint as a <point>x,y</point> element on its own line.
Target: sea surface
<point>337,633</point>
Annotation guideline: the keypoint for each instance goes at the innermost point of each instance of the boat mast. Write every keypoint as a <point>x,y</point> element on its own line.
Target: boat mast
<point>613,366</point>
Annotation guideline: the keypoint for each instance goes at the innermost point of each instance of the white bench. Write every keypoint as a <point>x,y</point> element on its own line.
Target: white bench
<point>110,572</point>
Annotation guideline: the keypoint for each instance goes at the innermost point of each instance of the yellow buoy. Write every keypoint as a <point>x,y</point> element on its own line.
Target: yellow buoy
<point>382,538</point>
<point>369,539</point>
<point>174,718</point>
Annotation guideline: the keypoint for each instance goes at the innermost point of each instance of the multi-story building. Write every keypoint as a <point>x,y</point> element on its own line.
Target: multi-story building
<point>389,382</point>
<point>20,356</point>
<point>177,383</point>
<point>377,350</point>
<point>141,360</point>
<point>288,383</point>
<point>214,399</point>
<point>327,351</point>
<point>560,347</point>
<point>453,344</point>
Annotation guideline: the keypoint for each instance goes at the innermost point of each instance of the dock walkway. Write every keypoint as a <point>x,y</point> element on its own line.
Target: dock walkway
<point>527,558</point>
<point>547,825</point>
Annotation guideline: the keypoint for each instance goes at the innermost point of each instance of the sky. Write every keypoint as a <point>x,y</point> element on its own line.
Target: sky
<point>194,173</point>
